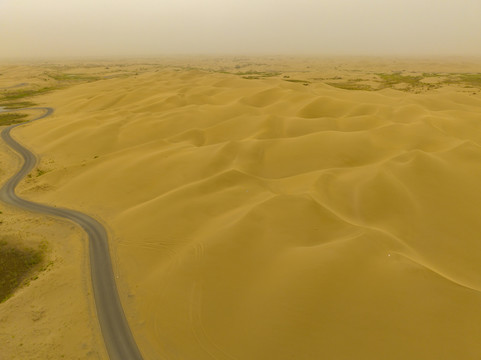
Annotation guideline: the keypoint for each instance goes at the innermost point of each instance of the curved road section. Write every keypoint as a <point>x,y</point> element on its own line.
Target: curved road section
<point>117,336</point>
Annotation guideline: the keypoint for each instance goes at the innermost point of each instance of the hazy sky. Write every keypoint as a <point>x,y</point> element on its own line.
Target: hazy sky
<point>30,28</point>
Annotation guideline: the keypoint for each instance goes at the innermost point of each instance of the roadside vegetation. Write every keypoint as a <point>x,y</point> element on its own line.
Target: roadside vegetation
<point>15,98</point>
<point>10,119</point>
<point>17,104</point>
<point>18,266</point>
<point>40,172</point>
<point>21,94</point>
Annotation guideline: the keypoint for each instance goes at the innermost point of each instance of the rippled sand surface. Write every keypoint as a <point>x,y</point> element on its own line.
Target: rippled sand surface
<point>256,217</point>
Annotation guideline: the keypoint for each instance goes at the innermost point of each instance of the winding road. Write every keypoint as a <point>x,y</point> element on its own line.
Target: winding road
<point>115,329</point>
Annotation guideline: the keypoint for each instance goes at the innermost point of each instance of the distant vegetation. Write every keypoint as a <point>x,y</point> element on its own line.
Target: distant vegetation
<point>256,74</point>
<point>416,83</point>
<point>472,80</point>
<point>351,85</point>
<point>17,267</point>
<point>250,75</point>
<point>303,82</point>
<point>399,80</point>
<point>389,80</point>
<point>73,77</point>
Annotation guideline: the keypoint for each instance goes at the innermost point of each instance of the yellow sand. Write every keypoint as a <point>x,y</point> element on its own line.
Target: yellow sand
<point>54,316</point>
<point>264,219</point>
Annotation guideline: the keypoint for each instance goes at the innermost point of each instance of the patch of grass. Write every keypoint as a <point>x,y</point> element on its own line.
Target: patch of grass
<point>432,75</point>
<point>20,94</point>
<point>40,172</point>
<point>10,119</point>
<point>389,80</point>
<point>256,74</point>
<point>465,80</point>
<point>473,80</point>
<point>16,265</point>
<point>18,104</point>
<point>332,78</point>
<point>73,77</point>
<point>303,82</point>
<point>351,86</point>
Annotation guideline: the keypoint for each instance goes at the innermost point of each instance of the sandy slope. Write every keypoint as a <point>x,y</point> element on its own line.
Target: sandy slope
<point>264,219</point>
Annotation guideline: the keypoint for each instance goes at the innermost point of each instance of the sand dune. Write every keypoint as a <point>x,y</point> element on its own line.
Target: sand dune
<point>266,219</point>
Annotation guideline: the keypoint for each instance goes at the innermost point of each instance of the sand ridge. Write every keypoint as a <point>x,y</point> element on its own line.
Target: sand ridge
<point>262,218</point>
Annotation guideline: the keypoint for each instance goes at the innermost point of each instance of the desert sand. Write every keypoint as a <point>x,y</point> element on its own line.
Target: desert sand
<point>265,208</point>
<point>53,317</point>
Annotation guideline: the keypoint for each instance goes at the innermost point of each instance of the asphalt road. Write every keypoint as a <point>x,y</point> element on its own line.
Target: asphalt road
<point>117,336</point>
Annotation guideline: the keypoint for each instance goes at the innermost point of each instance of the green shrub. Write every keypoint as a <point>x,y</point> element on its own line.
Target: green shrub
<point>15,267</point>
<point>9,119</point>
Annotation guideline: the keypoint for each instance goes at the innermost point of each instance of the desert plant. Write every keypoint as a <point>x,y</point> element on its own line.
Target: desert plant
<point>16,266</point>
<point>9,119</point>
